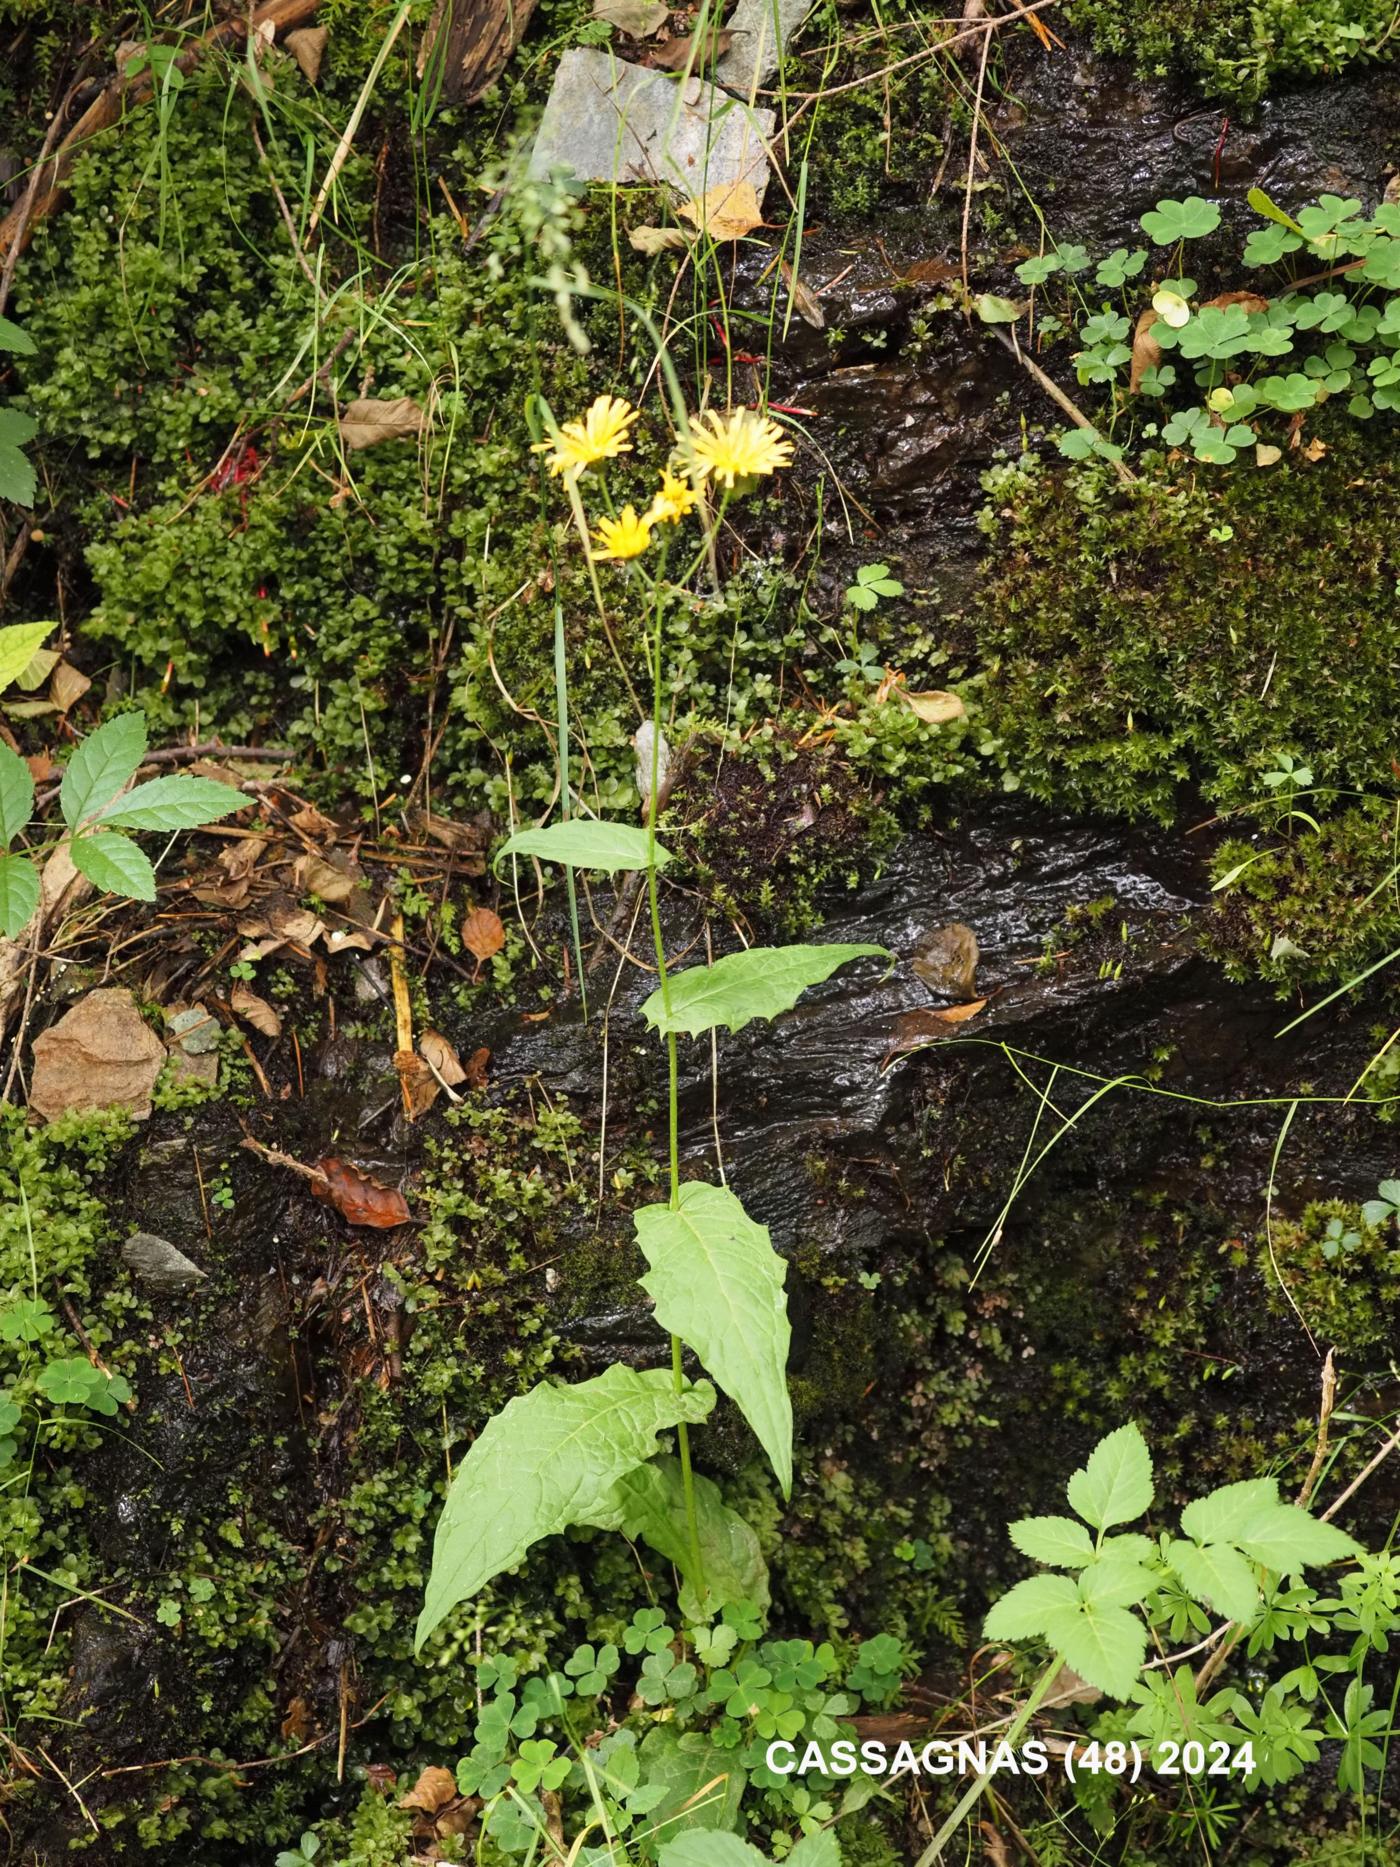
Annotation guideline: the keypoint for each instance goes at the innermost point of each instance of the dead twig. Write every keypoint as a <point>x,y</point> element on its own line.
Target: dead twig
<point>1058,397</point>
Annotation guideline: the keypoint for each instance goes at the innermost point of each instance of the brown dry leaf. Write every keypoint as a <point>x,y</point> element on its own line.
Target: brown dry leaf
<point>314,823</point>
<point>1147,352</point>
<point>67,686</point>
<point>1248,301</point>
<point>443,1058</point>
<point>296,1726</point>
<point>39,667</point>
<point>298,925</point>
<point>334,878</point>
<point>434,1789</point>
<point>241,858</point>
<point>359,1199</point>
<point>653,240</point>
<point>477,1065</point>
<point>1067,1688</point>
<point>639,19</point>
<point>255,1011</point>
<point>934,708</point>
<point>1266,455</point>
<point>1315,449</point>
<point>41,767</point>
<point>420,1087</point>
<point>930,272</point>
<point>725,213</point>
<point>675,54</point>
<point>482,934</point>
<point>804,302</point>
<point>99,1055</point>
<point>365,423</point>
<point>307,46</point>
<point>956,1014</point>
<point>992,1841</point>
<point>467,840</point>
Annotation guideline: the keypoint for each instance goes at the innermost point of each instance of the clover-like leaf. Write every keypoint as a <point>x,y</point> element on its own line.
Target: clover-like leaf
<point>1171,221</point>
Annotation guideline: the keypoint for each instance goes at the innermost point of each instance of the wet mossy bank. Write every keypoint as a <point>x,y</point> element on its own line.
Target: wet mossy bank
<point>265,1512</point>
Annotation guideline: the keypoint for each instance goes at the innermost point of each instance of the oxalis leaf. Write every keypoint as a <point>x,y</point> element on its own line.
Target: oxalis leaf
<point>586,843</point>
<point>717,1283</point>
<point>101,766</point>
<point>172,804</point>
<point>114,864</point>
<point>19,894</point>
<point>650,1503</point>
<point>549,1458</point>
<point>758,983</point>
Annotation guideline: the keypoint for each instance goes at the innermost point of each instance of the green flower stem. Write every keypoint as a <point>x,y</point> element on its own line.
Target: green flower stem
<point>672,1067</point>
<point>973,1795</point>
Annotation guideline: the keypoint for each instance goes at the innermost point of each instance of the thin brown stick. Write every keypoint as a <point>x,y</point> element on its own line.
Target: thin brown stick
<point>1058,397</point>
<point>914,58</point>
<point>26,206</point>
<point>276,1158</point>
<point>1324,1423</point>
<point>972,145</point>
<point>285,212</point>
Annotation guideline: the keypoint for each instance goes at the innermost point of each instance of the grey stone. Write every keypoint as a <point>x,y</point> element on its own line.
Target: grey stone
<point>159,1265</point>
<point>761,31</point>
<point>611,121</point>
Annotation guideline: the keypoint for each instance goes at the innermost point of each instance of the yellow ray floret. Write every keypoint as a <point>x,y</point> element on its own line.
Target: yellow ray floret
<point>600,435</point>
<point>674,499</point>
<point>626,536</point>
<point>738,446</point>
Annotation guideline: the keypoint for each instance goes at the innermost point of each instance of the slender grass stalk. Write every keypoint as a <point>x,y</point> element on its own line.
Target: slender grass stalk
<point>968,1801</point>
<point>561,703</point>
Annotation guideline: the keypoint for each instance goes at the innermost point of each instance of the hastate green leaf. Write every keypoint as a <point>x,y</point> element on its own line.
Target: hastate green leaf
<point>549,1458</point>
<point>16,795</point>
<point>1287,1539</point>
<point>1218,1576</point>
<point>1217,1517</point>
<point>101,766</point>
<point>172,804</point>
<point>758,983</point>
<point>1060,1541</point>
<point>114,864</point>
<point>650,1503</point>
<point>1116,1484</point>
<point>587,843</point>
<point>19,894</point>
<point>1023,1611</point>
<point>717,1283</point>
<point>1105,1646</point>
<point>18,642</point>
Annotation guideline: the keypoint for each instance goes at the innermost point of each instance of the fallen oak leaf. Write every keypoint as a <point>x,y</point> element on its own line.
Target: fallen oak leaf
<point>654,240</point>
<point>483,935</point>
<point>366,422</point>
<point>934,708</point>
<point>638,19</point>
<point>725,213</point>
<point>256,1011</point>
<point>692,49</point>
<point>359,1199</point>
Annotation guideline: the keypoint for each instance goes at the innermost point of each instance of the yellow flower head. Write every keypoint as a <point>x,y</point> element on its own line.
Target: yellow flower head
<point>601,435</point>
<point>626,536</point>
<point>738,445</point>
<point>675,498</point>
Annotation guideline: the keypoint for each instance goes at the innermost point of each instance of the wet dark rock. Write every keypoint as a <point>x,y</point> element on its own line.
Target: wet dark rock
<point>160,1265</point>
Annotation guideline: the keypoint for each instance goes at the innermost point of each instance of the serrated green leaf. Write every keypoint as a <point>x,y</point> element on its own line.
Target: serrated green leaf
<point>1129,1548</point>
<point>649,1503</point>
<point>549,1458</point>
<point>18,641</point>
<point>1023,1611</point>
<point>172,804</point>
<point>1105,1646</point>
<point>1218,1576</point>
<point>703,1782</point>
<point>717,1283</point>
<point>16,795</point>
<point>19,894</point>
<point>818,1849</point>
<point>19,343</point>
<point>1116,1484</point>
<point>114,864</point>
<point>1116,1584</point>
<point>1287,1539</point>
<point>1216,1517</point>
<point>586,843</point>
<point>758,983</point>
<point>1060,1541</point>
<point>100,767</point>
